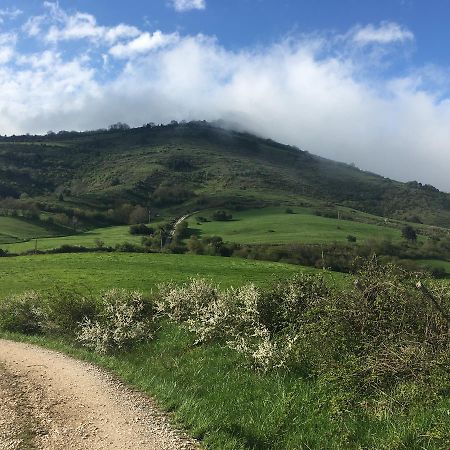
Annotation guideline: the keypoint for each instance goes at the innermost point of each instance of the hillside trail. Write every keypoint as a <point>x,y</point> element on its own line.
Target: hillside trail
<point>53,402</point>
<point>180,220</point>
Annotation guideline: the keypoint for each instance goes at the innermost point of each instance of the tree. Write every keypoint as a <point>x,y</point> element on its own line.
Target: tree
<point>409,233</point>
<point>222,216</point>
<point>162,233</point>
<point>119,126</point>
<point>138,215</point>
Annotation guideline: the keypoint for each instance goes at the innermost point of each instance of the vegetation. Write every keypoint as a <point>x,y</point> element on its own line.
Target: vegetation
<point>95,272</point>
<point>255,367</point>
<point>114,176</point>
<point>249,354</point>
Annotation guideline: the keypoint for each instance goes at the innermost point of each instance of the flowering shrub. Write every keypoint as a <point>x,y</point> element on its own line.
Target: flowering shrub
<point>381,330</point>
<point>22,313</point>
<point>124,319</point>
<point>262,325</point>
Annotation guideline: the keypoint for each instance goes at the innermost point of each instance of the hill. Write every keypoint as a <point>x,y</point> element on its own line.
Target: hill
<point>98,177</point>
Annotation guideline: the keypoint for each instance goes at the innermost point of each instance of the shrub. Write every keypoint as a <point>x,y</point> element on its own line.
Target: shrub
<point>387,329</point>
<point>124,319</point>
<point>141,230</point>
<point>22,313</point>
<point>65,309</point>
<point>221,216</point>
<point>180,303</point>
<point>381,332</point>
<point>262,325</point>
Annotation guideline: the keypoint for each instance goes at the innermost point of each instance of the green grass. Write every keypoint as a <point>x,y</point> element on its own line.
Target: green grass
<point>219,400</point>
<point>109,235</point>
<point>274,226</point>
<point>100,271</point>
<point>434,263</point>
<point>13,229</point>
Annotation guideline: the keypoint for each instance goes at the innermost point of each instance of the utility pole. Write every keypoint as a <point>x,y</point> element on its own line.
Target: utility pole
<point>35,246</point>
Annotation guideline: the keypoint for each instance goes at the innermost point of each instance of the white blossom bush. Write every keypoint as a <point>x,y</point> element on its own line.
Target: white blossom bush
<point>264,326</point>
<point>250,336</point>
<point>124,319</point>
<point>179,303</point>
<point>23,313</point>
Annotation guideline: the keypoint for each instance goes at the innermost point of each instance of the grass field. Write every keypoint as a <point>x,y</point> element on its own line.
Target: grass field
<point>99,271</point>
<point>110,236</point>
<point>13,229</point>
<point>275,226</point>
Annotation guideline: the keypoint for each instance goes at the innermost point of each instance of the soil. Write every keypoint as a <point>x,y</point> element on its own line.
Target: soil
<point>53,402</point>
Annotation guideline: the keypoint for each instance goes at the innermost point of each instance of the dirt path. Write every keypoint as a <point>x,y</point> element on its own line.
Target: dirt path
<point>53,402</point>
<point>181,219</point>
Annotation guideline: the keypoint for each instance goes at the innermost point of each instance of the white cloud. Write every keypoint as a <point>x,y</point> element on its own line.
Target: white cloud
<point>144,43</point>
<point>304,92</point>
<point>385,33</point>
<point>58,25</point>
<point>187,5</point>
<point>9,13</point>
<point>7,47</point>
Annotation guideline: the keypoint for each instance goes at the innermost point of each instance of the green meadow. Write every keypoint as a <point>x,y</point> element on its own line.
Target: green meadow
<point>13,229</point>
<point>110,236</point>
<point>275,226</point>
<point>100,271</point>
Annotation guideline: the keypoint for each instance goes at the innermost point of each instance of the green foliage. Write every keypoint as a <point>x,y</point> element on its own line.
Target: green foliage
<point>65,308</point>
<point>141,230</point>
<point>22,313</point>
<point>221,216</point>
<point>409,233</point>
<point>194,164</point>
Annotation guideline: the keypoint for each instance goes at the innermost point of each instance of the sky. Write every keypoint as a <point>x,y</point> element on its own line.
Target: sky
<point>359,81</point>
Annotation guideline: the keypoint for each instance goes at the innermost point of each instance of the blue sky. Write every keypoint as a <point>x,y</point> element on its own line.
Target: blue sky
<point>360,81</point>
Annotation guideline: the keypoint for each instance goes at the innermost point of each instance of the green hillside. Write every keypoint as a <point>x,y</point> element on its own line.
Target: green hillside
<point>108,236</point>
<point>15,229</point>
<point>181,167</point>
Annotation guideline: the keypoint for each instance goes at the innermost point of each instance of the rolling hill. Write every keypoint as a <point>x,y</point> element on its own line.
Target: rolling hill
<point>193,166</point>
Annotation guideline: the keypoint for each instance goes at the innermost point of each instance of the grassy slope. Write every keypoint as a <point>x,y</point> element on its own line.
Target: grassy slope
<point>274,226</point>
<point>14,229</point>
<point>219,166</point>
<point>99,271</point>
<point>110,236</point>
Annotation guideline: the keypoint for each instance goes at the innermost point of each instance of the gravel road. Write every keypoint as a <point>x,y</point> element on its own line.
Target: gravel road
<point>53,402</point>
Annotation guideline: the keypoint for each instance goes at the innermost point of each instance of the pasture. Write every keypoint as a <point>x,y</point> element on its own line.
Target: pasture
<point>275,226</point>
<point>14,229</point>
<point>99,271</point>
<point>110,236</point>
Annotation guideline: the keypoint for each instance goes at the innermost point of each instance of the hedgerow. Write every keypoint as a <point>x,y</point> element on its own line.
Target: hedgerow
<point>381,331</point>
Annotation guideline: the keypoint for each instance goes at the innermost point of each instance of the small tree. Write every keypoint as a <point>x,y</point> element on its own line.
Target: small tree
<point>138,215</point>
<point>222,216</point>
<point>409,233</point>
